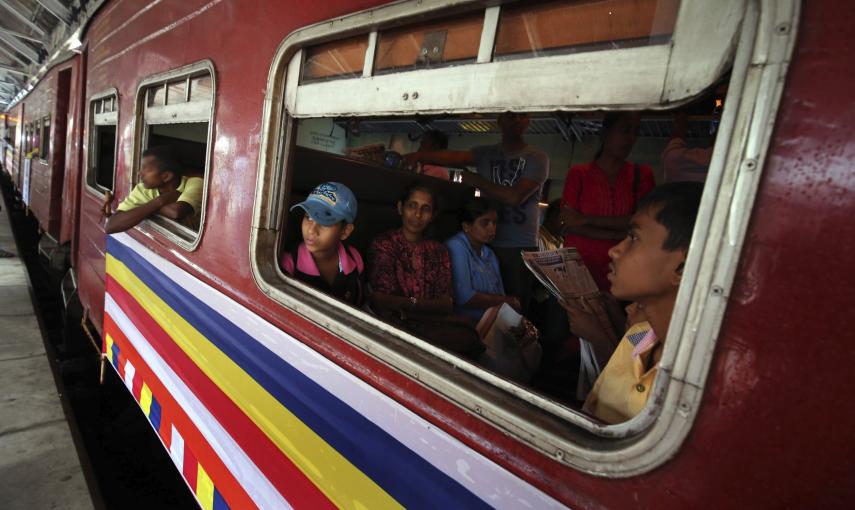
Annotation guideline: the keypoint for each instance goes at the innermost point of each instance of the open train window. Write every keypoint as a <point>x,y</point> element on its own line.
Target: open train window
<point>28,138</point>
<point>674,52</point>
<point>44,139</point>
<point>103,139</point>
<point>35,138</point>
<point>176,109</point>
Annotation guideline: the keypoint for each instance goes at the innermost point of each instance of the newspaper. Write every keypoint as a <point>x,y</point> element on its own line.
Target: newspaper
<point>567,278</point>
<point>562,272</point>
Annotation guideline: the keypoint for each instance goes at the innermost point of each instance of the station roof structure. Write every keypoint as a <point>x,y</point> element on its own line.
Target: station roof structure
<point>34,35</point>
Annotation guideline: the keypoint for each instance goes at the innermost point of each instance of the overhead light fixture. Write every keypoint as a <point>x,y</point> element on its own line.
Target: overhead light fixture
<point>74,43</point>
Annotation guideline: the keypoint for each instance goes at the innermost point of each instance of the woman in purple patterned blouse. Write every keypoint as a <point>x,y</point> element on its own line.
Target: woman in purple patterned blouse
<point>408,273</point>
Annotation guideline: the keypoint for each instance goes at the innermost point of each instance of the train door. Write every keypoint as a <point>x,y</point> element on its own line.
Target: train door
<point>63,97</point>
<point>54,254</point>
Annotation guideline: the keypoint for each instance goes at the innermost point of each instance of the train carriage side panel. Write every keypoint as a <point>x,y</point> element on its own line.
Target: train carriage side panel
<point>39,105</point>
<point>758,421</point>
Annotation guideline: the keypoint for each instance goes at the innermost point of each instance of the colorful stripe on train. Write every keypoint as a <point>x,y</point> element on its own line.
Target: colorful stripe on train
<point>254,418</point>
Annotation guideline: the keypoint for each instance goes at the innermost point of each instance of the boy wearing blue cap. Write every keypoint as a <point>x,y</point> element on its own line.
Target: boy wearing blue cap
<point>322,260</point>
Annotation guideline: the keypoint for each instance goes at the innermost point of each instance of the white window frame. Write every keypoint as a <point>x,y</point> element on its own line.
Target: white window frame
<point>101,119</point>
<point>765,32</point>
<point>182,113</point>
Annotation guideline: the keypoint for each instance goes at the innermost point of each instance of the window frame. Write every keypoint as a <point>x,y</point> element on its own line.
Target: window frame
<point>44,139</point>
<point>175,232</point>
<point>107,119</point>
<point>760,59</point>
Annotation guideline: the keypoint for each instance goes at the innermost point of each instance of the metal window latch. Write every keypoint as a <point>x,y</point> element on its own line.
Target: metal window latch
<point>433,47</point>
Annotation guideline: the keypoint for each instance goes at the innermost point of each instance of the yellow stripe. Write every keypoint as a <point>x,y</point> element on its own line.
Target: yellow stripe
<point>204,488</point>
<point>110,349</point>
<point>344,484</point>
<point>145,399</point>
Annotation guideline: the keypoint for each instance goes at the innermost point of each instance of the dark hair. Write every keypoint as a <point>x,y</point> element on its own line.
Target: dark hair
<point>440,139</point>
<point>676,205</point>
<point>609,120</point>
<point>412,188</point>
<point>474,209</point>
<point>167,159</point>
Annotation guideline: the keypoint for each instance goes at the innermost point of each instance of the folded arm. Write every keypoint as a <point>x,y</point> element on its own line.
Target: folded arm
<point>124,220</point>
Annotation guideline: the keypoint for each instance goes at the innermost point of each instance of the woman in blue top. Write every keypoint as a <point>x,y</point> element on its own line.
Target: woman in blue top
<point>476,279</point>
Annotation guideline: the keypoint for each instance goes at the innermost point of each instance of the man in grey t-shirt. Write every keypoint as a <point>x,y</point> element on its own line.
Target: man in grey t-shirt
<point>512,173</point>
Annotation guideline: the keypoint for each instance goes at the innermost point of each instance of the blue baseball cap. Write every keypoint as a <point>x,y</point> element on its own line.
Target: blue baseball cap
<point>330,203</point>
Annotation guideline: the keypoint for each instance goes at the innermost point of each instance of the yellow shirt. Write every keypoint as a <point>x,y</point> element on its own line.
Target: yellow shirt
<point>191,193</point>
<point>622,388</point>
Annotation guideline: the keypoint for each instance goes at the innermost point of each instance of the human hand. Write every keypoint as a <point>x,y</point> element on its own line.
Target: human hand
<point>106,207</point>
<point>584,322</point>
<point>411,161</point>
<point>570,218</point>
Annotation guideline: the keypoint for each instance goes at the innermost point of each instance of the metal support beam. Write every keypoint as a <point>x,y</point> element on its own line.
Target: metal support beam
<point>57,9</point>
<point>10,79</point>
<point>10,69</point>
<point>25,20</point>
<point>12,55</point>
<point>28,53</point>
<point>19,35</point>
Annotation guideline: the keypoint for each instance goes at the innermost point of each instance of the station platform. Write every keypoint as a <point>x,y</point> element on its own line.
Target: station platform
<point>39,465</point>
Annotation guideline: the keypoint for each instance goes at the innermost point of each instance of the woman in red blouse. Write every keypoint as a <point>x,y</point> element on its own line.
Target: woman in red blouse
<point>599,197</point>
<point>410,278</point>
<point>409,272</point>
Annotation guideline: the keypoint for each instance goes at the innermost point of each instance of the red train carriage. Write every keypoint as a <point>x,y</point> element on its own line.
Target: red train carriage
<point>269,394</point>
<point>41,130</point>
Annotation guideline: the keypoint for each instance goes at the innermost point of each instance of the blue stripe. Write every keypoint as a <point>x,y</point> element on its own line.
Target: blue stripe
<point>154,414</point>
<point>410,479</point>
<point>219,502</point>
<point>116,356</point>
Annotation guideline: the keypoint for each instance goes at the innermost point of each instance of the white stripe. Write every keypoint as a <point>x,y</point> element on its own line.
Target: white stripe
<point>176,449</point>
<point>483,477</point>
<point>129,376</point>
<point>257,486</point>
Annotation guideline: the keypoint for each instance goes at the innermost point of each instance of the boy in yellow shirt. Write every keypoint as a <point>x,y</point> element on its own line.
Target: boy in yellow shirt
<point>163,190</point>
<point>646,268</point>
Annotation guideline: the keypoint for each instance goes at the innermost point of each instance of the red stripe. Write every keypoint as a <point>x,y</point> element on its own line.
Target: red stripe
<point>190,470</point>
<point>137,386</point>
<point>165,426</point>
<point>276,466</point>
<point>226,483</point>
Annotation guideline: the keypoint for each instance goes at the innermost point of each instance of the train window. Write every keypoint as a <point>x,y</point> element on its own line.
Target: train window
<point>429,45</point>
<point>176,109</point>
<point>157,96</point>
<point>675,52</point>
<point>35,145</point>
<point>200,88</point>
<point>339,59</point>
<point>44,138</point>
<point>559,27</point>
<point>28,138</point>
<point>176,92</point>
<point>103,140</point>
